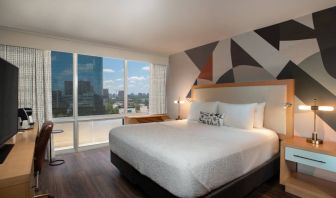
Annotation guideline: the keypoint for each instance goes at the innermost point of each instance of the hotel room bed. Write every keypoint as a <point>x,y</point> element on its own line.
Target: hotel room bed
<point>190,159</point>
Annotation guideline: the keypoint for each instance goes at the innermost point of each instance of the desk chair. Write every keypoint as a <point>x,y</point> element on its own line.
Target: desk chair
<point>40,149</point>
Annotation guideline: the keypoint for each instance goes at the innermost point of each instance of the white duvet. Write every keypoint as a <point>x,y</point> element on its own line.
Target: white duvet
<point>190,159</point>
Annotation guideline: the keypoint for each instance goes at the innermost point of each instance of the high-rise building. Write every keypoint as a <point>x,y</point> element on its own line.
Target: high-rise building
<point>121,94</point>
<point>90,68</point>
<point>106,94</point>
<point>68,87</point>
<point>84,87</point>
<point>90,84</point>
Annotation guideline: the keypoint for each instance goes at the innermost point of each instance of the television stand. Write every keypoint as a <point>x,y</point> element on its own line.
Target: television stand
<point>4,151</point>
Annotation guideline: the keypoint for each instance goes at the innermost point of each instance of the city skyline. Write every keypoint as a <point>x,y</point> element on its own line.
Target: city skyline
<point>112,73</point>
<point>100,85</point>
<point>113,76</point>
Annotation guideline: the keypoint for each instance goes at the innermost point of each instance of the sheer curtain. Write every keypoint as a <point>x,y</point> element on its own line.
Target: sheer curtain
<point>34,79</point>
<point>157,95</point>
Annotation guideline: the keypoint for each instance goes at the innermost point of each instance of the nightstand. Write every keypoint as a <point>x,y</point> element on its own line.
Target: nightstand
<point>296,151</point>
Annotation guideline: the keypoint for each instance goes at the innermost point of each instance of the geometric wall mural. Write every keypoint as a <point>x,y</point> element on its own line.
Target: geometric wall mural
<point>303,49</point>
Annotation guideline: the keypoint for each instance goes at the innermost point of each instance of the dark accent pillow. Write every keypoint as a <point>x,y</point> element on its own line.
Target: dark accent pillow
<point>211,118</point>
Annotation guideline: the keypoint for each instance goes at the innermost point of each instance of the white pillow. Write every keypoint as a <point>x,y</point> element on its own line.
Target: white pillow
<point>259,115</point>
<point>196,108</point>
<point>238,115</point>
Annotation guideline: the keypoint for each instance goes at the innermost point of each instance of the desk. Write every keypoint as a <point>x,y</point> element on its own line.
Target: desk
<point>145,118</point>
<point>16,173</point>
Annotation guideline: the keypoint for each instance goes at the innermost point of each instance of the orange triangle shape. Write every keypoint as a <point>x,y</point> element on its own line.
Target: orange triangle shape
<point>206,72</point>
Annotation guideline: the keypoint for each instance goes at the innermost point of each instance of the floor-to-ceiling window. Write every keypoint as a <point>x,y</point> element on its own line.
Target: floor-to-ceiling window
<point>138,86</point>
<point>62,84</point>
<point>62,98</point>
<point>100,92</point>
<point>91,93</point>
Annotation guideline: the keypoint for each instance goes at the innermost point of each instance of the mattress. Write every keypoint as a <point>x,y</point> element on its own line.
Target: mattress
<point>190,159</point>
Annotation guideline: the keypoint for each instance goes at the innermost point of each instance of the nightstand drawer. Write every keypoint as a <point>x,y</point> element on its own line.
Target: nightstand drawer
<point>317,160</point>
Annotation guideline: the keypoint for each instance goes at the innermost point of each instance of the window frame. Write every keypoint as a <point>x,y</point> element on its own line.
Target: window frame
<point>75,92</point>
<point>75,118</point>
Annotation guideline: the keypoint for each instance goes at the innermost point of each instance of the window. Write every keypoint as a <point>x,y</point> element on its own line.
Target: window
<point>62,97</point>
<point>90,85</point>
<point>64,140</point>
<point>138,86</point>
<point>99,85</point>
<point>96,131</point>
<point>113,85</point>
<point>62,78</point>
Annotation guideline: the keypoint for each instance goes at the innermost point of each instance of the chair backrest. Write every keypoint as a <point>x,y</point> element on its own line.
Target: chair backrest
<point>41,144</point>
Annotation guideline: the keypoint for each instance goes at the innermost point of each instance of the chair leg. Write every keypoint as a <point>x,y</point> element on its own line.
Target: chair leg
<point>37,176</point>
<point>37,181</point>
<point>43,196</point>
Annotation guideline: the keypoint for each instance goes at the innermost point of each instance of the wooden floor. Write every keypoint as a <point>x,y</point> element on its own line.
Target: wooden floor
<point>90,174</point>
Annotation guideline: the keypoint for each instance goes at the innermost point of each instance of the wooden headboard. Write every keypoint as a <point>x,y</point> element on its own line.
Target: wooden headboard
<point>276,93</point>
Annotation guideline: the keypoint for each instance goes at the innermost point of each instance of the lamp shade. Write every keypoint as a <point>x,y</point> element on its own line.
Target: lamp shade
<point>314,139</point>
<point>179,101</point>
<point>304,108</point>
<point>325,108</point>
<point>320,108</point>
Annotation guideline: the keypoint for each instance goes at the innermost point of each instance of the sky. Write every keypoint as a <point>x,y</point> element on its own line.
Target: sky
<point>113,75</point>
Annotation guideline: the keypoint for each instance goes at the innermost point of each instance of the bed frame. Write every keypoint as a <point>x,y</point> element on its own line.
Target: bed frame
<point>281,103</point>
<point>239,187</point>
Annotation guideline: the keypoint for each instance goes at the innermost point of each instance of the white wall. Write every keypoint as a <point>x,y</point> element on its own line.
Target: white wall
<point>47,42</point>
<point>181,75</point>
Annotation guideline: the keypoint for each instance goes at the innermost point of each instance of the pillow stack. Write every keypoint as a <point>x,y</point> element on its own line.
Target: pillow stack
<point>197,107</point>
<point>244,116</point>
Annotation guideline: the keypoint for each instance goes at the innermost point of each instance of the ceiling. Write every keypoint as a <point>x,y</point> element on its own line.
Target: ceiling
<point>158,26</point>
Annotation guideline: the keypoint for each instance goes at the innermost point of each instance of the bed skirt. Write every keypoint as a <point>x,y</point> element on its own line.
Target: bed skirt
<point>239,187</point>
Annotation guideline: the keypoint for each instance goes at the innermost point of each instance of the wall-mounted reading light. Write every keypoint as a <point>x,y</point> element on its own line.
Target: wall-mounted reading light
<point>287,105</point>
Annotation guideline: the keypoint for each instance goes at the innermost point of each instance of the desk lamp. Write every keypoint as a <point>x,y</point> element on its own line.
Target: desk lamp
<point>314,139</point>
<point>179,102</point>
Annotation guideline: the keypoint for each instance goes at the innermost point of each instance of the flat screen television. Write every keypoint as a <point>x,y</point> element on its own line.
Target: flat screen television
<point>9,80</point>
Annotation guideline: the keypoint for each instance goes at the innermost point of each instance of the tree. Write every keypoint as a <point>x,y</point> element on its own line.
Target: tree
<point>109,107</point>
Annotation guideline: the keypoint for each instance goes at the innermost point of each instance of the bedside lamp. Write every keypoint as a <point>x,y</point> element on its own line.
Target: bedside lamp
<point>179,102</point>
<point>315,108</point>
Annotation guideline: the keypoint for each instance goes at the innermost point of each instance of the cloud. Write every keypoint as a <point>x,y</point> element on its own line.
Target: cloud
<point>136,78</point>
<point>119,79</point>
<point>108,83</point>
<point>145,68</point>
<point>113,86</point>
<point>108,70</point>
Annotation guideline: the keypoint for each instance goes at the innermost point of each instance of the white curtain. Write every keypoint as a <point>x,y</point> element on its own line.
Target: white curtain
<point>34,79</point>
<point>157,94</point>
